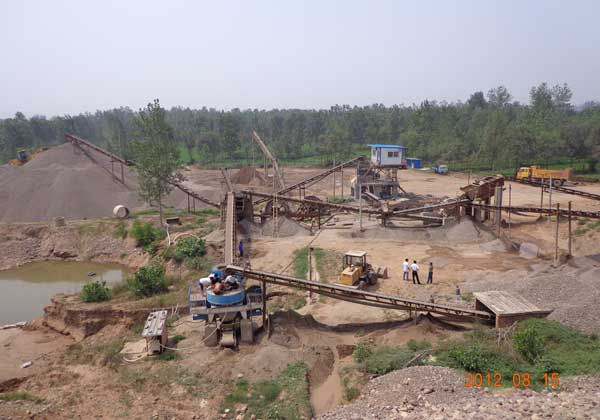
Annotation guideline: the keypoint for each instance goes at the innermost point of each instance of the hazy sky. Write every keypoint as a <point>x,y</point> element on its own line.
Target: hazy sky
<point>73,56</point>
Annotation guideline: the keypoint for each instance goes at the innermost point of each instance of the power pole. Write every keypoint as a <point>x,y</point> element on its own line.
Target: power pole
<point>556,234</point>
<point>570,237</point>
<point>509,203</point>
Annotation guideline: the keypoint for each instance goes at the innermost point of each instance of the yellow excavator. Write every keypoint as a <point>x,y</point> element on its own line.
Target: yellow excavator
<point>356,271</point>
<point>24,156</point>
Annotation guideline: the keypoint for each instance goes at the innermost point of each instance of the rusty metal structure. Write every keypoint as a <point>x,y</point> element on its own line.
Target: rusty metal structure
<point>83,144</point>
<point>302,185</point>
<point>562,189</point>
<point>361,297</point>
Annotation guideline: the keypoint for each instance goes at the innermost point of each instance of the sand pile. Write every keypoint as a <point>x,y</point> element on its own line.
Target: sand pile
<point>286,227</point>
<point>249,175</point>
<point>572,290</point>
<point>63,181</point>
<point>455,233</point>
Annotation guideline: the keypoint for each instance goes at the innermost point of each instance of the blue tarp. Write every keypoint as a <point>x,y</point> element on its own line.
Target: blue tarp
<point>386,146</point>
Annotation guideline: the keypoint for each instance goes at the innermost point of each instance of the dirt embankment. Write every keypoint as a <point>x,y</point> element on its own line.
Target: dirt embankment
<point>78,241</point>
<point>68,315</point>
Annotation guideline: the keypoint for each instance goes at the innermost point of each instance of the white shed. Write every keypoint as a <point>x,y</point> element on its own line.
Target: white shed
<point>387,154</point>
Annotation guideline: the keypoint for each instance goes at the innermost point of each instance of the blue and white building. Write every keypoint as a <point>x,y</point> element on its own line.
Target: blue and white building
<point>387,155</point>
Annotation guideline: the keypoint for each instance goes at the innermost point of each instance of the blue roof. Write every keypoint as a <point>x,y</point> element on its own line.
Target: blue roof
<point>386,146</point>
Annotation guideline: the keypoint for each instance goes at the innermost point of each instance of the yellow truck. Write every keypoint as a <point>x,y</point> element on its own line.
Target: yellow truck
<point>536,174</point>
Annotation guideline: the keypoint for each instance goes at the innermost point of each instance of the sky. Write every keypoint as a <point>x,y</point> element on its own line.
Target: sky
<point>66,57</point>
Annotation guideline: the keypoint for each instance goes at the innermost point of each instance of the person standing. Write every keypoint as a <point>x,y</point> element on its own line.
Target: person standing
<point>241,248</point>
<point>415,272</point>
<point>405,268</point>
<point>430,275</point>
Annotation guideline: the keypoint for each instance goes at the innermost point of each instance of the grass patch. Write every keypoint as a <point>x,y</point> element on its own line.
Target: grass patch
<point>538,346</point>
<point>120,230</point>
<point>106,354</point>
<point>586,225</point>
<point>91,228</point>
<point>169,354</point>
<point>209,212</point>
<point>338,199</point>
<point>379,360</point>
<point>264,398</point>
<point>328,263</point>
<point>300,264</point>
<point>21,396</point>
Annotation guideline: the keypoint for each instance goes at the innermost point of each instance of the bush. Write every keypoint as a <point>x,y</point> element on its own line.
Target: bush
<point>198,264</point>
<point>380,360</point>
<point>362,352</point>
<point>95,292</point>
<point>470,358</point>
<point>146,235</point>
<point>189,247</point>
<point>529,343</point>
<point>386,359</point>
<point>418,346</point>
<point>148,281</point>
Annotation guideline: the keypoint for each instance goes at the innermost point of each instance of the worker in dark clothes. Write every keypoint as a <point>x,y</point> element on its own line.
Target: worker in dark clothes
<point>241,248</point>
<point>414,267</point>
<point>430,275</point>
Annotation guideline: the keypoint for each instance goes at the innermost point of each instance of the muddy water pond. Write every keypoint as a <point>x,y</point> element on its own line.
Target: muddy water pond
<point>24,291</point>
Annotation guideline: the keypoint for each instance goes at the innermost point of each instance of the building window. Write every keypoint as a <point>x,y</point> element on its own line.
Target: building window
<point>390,154</point>
<point>396,154</point>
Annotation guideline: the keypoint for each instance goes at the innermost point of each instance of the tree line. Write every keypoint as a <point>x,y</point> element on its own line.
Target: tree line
<point>488,128</point>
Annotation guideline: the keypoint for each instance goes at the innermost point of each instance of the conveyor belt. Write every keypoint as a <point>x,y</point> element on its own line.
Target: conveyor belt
<point>315,178</point>
<point>565,190</point>
<point>362,297</point>
<point>540,210</point>
<point>324,204</point>
<point>230,229</point>
<point>81,142</point>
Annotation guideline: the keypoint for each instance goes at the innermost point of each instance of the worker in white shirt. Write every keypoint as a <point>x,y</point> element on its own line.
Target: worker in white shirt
<point>415,272</point>
<point>204,282</point>
<point>405,268</point>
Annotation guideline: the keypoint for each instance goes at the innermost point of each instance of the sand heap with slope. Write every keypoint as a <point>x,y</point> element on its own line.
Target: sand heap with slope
<point>64,181</point>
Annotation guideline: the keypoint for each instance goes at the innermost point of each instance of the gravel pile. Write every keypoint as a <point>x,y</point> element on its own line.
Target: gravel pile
<point>249,175</point>
<point>437,393</point>
<point>571,290</point>
<point>63,181</point>
<point>286,227</point>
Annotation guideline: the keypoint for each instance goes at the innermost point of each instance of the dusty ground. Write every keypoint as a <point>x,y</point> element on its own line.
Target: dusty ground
<point>321,335</point>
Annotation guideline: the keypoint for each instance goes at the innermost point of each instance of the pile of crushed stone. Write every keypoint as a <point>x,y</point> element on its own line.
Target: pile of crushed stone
<point>65,182</point>
<point>249,175</point>
<point>571,290</point>
<point>285,227</point>
<point>439,393</point>
<point>457,233</point>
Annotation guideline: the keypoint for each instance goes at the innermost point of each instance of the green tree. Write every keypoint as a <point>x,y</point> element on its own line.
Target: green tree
<point>156,154</point>
<point>499,96</point>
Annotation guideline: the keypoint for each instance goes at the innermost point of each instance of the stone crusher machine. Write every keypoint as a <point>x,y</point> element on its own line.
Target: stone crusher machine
<point>228,313</point>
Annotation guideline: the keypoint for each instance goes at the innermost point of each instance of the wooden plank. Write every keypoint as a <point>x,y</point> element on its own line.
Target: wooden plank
<point>505,303</point>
